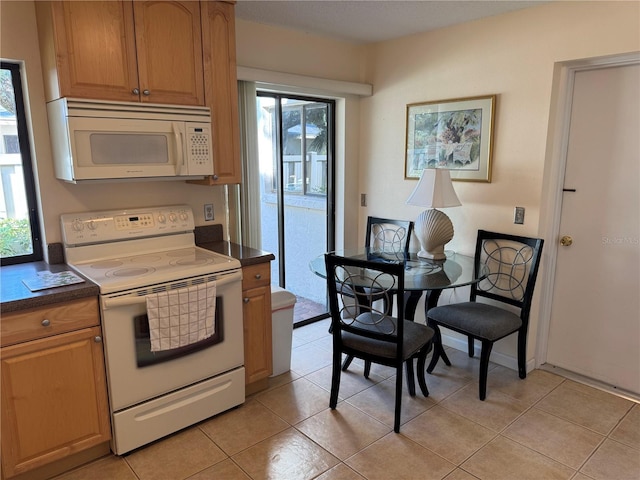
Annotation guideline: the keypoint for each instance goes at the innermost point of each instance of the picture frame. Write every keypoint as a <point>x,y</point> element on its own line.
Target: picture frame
<point>455,134</point>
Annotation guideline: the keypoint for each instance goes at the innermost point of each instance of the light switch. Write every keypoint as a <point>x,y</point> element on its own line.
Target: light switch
<point>518,216</point>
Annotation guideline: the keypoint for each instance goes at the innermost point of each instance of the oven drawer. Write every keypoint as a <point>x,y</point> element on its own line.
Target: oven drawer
<point>258,275</point>
<point>41,322</point>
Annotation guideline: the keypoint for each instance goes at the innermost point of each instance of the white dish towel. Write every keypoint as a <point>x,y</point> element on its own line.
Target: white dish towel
<point>181,317</point>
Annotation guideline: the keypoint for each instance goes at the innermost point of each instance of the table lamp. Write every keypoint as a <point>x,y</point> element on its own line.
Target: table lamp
<point>432,227</point>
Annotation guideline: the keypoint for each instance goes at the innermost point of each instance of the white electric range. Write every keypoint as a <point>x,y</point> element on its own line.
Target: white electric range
<point>132,254</point>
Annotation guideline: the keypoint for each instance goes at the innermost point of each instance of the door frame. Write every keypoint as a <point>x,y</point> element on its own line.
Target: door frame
<point>331,156</point>
<point>553,178</point>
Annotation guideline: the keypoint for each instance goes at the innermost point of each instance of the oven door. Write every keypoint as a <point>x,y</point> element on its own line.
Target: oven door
<point>135,374</point>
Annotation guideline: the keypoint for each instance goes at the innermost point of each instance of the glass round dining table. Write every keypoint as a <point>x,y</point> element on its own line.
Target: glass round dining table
<point>421,275</point>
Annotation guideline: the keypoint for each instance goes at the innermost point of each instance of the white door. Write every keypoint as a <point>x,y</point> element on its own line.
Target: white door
<point>595,316</point>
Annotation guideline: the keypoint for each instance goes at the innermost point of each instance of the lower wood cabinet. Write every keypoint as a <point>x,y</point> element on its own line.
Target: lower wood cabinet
<point>256,293</point>
<point>54,396</point>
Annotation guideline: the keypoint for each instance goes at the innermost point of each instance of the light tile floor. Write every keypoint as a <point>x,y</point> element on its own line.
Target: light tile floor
<point>543,428</point>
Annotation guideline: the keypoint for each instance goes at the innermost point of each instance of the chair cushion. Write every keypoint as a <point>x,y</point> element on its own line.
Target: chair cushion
<point>483,321</point>
<point>416,336</point>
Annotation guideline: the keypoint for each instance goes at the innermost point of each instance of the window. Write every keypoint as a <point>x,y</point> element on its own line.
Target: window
<point>19,231</point>
<point>11,144</point>
<point>304,124</point>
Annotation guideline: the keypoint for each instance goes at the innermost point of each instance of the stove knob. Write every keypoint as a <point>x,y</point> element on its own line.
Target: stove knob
<point>173,217</point>
<point>92,225</point>
<point>77,225</point>
<point>162,218</point>
<point>184,216</point>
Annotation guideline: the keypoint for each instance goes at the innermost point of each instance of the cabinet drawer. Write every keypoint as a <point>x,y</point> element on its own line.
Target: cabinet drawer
<point>258,275</point>
<point>41,322</point>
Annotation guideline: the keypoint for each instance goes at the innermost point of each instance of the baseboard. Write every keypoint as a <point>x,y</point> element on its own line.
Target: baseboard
<point>502,359</point>
<point>605,387</point>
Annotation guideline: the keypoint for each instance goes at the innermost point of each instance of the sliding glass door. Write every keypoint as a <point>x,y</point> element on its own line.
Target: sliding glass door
<point>295,144</point>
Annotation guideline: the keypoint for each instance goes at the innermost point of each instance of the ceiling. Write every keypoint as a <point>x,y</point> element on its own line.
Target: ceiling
<point>367,21</point>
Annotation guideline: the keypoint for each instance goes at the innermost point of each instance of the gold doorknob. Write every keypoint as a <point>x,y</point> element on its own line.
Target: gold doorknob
<point>566,240</point>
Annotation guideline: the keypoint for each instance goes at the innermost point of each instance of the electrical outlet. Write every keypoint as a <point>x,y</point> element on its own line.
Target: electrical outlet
<point>518,215</point>
<point>208,212</point>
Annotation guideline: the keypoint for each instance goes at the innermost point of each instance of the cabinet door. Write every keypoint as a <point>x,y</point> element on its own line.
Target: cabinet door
<point>169,47</point>
<point>221,89</point>
<point>257,333</point>
<point>54,399</point>
<point>94,46</point>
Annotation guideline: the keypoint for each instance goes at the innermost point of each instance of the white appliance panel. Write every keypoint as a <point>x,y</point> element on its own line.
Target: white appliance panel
<point>130,384</point>
<point>102,141</point>
<point>142,424</point>
<point>131,254</point>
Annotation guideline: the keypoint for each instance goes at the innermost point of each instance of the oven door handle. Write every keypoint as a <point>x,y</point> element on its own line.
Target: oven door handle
<point>136,300</point>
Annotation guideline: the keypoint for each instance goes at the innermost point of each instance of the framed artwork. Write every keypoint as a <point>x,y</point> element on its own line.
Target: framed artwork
<point>454,134</point>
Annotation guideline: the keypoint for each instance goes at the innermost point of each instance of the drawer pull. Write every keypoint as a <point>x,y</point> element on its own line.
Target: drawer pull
<point>46,323</point>
<point>245,299</point>
<point>146,92</point>
<point>258,276</point>
<point>135,91</point>
<point>97,339</point>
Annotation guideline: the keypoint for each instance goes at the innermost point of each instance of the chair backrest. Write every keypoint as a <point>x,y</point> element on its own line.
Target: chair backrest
<point>388,235</point>
<point>511,263</point>
<point>371,281</point>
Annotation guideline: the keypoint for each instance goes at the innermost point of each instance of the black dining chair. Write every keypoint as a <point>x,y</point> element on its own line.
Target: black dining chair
<point>373,334</point>
<point>388,236</point>
<point>511,263</point>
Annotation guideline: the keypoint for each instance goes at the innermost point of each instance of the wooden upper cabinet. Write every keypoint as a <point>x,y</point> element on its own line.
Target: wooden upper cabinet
<point>149,51</point>
<point>169,47</point>
<point>88,49</point>
<point>221,90</point>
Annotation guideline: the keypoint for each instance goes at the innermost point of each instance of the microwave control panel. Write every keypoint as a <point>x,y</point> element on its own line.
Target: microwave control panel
<point>199,149</point>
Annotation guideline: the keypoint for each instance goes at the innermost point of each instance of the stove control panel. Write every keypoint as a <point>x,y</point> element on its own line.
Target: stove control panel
<point>112,225</point>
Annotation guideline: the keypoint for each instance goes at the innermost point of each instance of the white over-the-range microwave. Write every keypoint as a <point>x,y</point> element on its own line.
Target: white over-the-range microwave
<point>116,141</point>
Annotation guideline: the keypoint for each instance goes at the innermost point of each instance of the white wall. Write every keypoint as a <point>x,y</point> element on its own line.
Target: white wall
<point>291,51</point>
<point>511,55</point>
<point>19,41</point>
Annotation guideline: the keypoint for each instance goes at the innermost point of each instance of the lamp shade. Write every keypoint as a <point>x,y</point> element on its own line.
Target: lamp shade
<point>433,228</point>
<point>434,190</point>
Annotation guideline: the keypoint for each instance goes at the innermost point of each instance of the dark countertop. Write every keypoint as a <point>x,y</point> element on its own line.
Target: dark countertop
<point>246,255</point>
<point>15,295</point>
<point>210,237</point>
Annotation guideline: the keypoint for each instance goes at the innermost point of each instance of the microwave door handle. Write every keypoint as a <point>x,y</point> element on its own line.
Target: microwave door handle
<point>180,153</point>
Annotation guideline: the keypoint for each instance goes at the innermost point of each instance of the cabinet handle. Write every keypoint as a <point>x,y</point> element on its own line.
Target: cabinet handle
<point>258,276</point>
<point>146,92</point>
<point>136,91</point>
<point>245,299</point>
<point>97,339</point>
<point>46,323</point>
